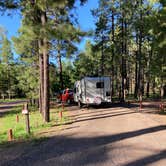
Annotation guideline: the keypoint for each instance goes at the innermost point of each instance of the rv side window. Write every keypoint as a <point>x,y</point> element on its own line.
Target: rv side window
<point>100,85</point>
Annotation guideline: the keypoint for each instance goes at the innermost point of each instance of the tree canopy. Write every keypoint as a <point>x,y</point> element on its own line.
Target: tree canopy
<point>127,44</point>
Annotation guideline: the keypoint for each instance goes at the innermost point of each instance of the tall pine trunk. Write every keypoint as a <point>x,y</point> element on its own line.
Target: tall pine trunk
<point>148,78</point>
<point>148,74</point>
<point>60,70</point>
<point>113,53</point>
<point>46,70</point>
<point>123,61</point>
<point>136,70</point>
<point>136,76</point>
<point>41,87</point>
<point>162,89</point>
<point>140,55</point>
<point>102,56</point>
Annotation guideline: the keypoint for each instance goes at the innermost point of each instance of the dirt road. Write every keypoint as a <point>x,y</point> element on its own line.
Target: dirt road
<point>8,106</point>
<point>117,136</point>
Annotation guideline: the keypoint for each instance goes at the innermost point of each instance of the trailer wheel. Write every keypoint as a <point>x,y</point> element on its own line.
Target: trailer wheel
<point>79,104</point>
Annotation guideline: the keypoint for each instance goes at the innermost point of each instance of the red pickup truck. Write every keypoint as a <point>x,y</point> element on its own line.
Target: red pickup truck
<point>67,96</point>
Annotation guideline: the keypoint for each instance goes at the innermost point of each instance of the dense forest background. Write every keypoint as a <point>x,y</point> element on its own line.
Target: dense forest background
<point>128,44</point>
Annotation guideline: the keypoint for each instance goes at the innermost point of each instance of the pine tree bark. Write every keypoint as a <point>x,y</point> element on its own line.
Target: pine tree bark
<point>147,88</point>
<point>117,87</point>
<point>136,70</point>
<point>46,71</point>
<point>153,87</point>
<point>148,74</point>
<point>162,89</point>
<point>60,70</point>
<point>41,87</point>
<point>123,65</point>
<point>140,54</point>
<point>136,76</point>
<point>125,61</point>
<point>113,53</point>
<point>102,56</point>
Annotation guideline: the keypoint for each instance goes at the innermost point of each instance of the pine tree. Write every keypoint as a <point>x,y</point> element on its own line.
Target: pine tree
<point>6,59</point>
<point>39,23</point>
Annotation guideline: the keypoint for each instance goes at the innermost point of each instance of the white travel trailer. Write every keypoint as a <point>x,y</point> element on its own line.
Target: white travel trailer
<point>92,91</point>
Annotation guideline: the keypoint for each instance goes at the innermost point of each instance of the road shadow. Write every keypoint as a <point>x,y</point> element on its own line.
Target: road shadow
<point>71,150</point>
<point>104,105</point>
<point>102,116</point>
<point>9,110</point>
<point>84,113</point>
<point>53,131</point>
<point>148,159</point>
<point>114,105</point>
<point>8,107</point>
<point>2,108</point>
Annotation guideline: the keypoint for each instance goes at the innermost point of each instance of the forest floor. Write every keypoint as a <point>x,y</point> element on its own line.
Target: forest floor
<point>120,135</point>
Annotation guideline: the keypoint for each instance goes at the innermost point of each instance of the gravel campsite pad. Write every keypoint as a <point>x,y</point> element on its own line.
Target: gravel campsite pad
<point>115,136</point>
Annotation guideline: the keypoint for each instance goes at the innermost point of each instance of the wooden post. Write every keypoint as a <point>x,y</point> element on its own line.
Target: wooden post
<point>10,135</point>
<point>62,106</point>
<point>60,114</point>
<point>61,111</point>
<point>26,113</point>
<point>27,123</point>
<point>161,107</point>
<point>17,118</point>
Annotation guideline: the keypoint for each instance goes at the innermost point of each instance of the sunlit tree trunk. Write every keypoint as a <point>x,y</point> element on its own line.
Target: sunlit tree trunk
<point>148,74</point>
<point>41,80</point>
<point>123,61</point>
<point>46,71</point>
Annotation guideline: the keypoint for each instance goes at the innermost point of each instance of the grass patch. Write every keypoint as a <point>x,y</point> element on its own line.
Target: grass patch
<point>162,112</point>
<point>8,121</point>
<point>151,97</point>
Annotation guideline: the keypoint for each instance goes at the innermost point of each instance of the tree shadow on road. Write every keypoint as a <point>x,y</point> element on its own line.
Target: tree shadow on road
<point>148,159</point>
<point>72,150</point>
<point>9,110</point>
<point>103,116</point>
<point>85,112</point>
<point>115,105</point>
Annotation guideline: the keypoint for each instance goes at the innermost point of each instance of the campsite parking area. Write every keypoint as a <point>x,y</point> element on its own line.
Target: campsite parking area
<point>117,136</point>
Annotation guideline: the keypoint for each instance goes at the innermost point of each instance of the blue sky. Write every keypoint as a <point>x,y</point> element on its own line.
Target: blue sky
<point>85,18</point>
<point>10,23</point>
<point>86,21</point>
